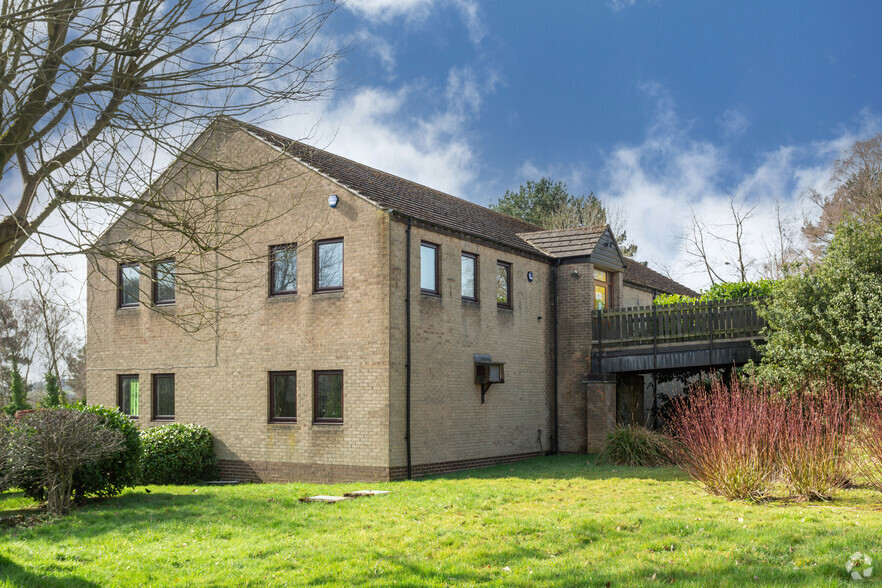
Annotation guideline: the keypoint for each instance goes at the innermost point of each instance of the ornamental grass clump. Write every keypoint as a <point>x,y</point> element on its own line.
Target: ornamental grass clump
<point>726,438</point>
<point>635,446</point>
<point>869,440</point>
<point>813,444</point>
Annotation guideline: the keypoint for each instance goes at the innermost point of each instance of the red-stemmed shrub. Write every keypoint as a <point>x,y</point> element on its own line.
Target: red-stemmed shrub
<point>813,444</point>
<point>869,440</point>
<point>726,438</point>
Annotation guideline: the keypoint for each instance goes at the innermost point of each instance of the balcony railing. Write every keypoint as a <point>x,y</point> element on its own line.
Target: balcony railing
<point>702,321</point>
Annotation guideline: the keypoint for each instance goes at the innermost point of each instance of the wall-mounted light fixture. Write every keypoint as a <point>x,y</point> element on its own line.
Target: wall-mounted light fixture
<point>332,200</point>
<point>529,276</point>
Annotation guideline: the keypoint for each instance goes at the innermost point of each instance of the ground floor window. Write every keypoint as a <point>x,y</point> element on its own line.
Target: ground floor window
<point>282,397</point>
<point>328,396</point>
<point>163,397</point>
<point>127,395</point>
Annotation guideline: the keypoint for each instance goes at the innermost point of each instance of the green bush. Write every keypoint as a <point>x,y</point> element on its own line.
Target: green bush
<point>672,299</point>
<point>737,290</point>
<point>108,476</point>
<point>177,454</point>
<point>725,291</point>
<point>825,324</point>
<point>635,446</point>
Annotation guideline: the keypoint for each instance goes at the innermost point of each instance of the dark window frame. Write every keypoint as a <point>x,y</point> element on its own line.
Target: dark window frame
<point>153,389</point>
<point>271,400</point>
<point>324,420</point>
<point>154,278</point>
<point>508,280</point>
<point>121,288</point>
<point>473,256</point>
<point>272,268</point>
<point>437,248</point>
<point>315,266</point>
<point>119,387</point>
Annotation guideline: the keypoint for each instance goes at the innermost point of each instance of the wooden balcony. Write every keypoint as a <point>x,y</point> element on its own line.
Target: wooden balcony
<point>680,336</point>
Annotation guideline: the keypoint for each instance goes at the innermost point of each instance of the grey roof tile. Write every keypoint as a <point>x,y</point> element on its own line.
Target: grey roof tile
<point>406,197</point>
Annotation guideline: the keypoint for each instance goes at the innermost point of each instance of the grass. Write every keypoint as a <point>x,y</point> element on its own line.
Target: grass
<point>549,521</point>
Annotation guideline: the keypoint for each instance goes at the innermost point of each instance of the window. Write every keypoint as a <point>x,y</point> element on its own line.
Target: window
<point>469,263</point>
<point>164,282</point>
<point>129,281</point>
<point>163,397</point>
<point>429,268</point>
<point>329,265</point>
<point>602,289</point>
<point>503,284</point>
<point>283,397</point>
<point>327,399</point>
<point>127,395</point>
<point>283,269</point>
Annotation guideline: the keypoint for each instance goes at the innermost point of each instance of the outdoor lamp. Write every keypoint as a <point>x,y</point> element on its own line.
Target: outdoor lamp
<point>332,200</point>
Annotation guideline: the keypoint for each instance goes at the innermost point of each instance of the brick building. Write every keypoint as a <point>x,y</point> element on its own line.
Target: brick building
<point>381,328</point>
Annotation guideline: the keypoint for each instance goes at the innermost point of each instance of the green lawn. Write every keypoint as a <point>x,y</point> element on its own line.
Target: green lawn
<point>551,521</point>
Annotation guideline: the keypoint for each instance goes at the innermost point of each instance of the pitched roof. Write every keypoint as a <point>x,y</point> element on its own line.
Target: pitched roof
<point>566,242</point>
<point>405,197</point>
<point>640,275</point>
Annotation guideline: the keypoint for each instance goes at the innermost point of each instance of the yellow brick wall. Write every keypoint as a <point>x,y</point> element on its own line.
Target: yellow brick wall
<point>221,381</point>
<point>449,423</point>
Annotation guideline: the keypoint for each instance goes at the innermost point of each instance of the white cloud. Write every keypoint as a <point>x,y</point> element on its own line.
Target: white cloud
<point>734,122</point>
<point>658,180</point>
<point>379,47</point>
<point>386,10</point>
<point>398,132</point>
<point>417,11</point>
<point>621,4</point>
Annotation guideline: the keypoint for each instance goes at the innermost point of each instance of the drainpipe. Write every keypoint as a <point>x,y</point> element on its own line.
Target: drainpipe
<point>554,443</point>
<point>407,347</point>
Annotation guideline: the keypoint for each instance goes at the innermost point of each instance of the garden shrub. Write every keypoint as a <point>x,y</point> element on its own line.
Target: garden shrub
<point>635,446</point>
<point>50,445</point>
<point>107,476</point>
<point>5,450</point>
<point>727,437</point>
<point>724,291</point>
<point>813,445</point>
<point>177,454</point>
<point>825,324</point>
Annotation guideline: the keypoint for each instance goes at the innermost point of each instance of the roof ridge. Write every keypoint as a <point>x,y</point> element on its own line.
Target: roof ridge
<point>485,209</point>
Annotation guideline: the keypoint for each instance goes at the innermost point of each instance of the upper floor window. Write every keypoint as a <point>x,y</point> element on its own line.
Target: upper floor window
<point>283,269</point>
<point>602,289</point>
<point>163,397</point>
<point>127,395</point>
<point>164,282</point>
<point>329,265</point>
<point>469,263</point>
<point>429,268</point>
<point>327,401</point>
<point>283,397</point>
<point>503,284</point>
<point>129,281</point>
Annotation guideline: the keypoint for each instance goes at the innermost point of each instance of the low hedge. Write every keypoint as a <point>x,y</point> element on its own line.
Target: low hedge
<point>177,454</point>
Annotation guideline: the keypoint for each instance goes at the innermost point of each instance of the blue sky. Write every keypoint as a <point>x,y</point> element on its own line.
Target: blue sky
<point>656,106</point>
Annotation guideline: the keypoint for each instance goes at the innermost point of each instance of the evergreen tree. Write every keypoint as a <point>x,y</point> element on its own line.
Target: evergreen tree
<point>17,391</point>
<point>53,393</point>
